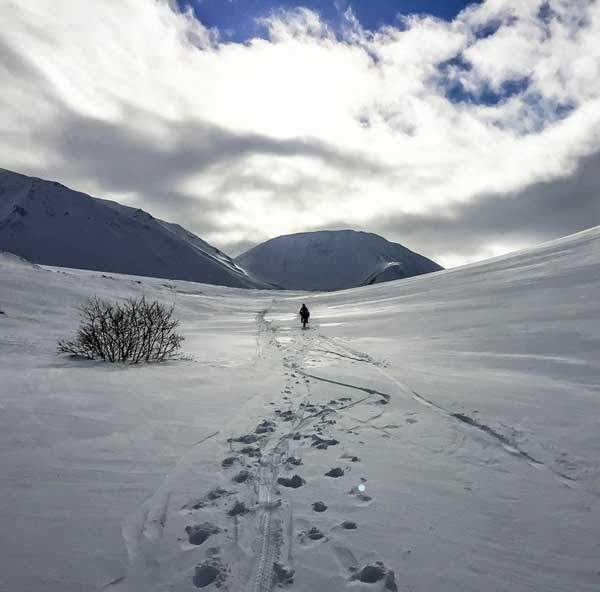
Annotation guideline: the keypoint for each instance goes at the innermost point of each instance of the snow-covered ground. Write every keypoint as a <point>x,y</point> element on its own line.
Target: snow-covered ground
<point>462,410</point>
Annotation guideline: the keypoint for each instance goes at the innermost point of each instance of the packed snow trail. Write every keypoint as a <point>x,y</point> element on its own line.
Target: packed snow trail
<point>260,506</point>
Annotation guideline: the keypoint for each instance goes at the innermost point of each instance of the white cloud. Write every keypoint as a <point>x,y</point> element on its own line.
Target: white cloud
<point>307,128</point>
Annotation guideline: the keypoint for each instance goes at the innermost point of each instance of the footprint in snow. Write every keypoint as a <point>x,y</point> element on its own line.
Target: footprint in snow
<point>281,575</point>
<point>212,496</point>
<point>210,572</point>
<point>198,533</point>
<point>252,451</point>
<point>265,426</point>
<point>322,443</point>
<point>293,482</point>
<point>238,509</point>
<point>373,573</point>
<point>314,534</point>
<point>242,476</point>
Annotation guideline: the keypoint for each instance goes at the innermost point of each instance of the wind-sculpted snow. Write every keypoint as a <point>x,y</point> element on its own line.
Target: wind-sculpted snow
<point>332,260</point>
<point>438,433</point>
<point>48,223</point>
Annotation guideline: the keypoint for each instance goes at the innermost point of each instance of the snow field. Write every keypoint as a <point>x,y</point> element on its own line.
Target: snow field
<point>438,433</point>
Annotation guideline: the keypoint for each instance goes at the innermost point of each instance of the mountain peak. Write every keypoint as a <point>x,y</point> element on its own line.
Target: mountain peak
<point>332,260</point>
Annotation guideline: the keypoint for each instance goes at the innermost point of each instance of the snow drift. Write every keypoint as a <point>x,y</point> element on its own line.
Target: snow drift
<point>48,223</point>
<point>332,260</point>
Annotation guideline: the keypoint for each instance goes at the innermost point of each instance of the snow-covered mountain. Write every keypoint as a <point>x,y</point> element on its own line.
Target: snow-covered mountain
<point>332,260</point>
<point>48,223</point>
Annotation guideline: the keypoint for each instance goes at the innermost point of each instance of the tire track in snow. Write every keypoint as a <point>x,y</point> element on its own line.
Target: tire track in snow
<point>262,325</point>
<point>268,540</point>
<point>262,580</point>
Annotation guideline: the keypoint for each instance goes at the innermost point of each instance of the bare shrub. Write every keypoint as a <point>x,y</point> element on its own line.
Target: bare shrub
<point>130,331</point>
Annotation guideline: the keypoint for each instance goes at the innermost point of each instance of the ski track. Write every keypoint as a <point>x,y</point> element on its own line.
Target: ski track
<point>143,528</point>
<point>268,528</point>
<point>508,445</point>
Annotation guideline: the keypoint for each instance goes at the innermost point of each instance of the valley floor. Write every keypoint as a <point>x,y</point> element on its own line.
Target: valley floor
<point>439,433</point>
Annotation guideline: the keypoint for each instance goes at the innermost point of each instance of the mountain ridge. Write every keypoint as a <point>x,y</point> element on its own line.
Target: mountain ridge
<point>51,224</point>
<point>48,223</point>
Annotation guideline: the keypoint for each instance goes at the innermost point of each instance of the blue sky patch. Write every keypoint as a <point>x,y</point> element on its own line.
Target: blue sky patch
<point>486,95</point>
<point>237,19</point>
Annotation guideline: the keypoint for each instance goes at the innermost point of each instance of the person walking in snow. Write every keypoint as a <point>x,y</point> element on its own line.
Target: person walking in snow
<point>304,315</point>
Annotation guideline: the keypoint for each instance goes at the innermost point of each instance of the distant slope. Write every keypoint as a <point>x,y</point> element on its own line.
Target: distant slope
<point>48,223</point>
<point>332,260</point>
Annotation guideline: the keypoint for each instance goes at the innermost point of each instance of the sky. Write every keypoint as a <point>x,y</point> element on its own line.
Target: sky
<point>240,20</point>
<point>462,131</point>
